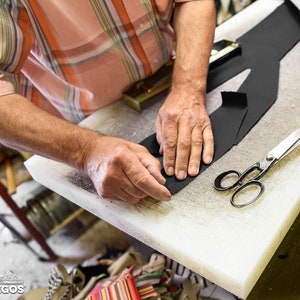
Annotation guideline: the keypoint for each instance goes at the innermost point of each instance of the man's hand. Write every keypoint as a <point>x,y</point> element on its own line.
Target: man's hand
<point>123,170</point>
<point>183,126</point>
<point>184,133</point>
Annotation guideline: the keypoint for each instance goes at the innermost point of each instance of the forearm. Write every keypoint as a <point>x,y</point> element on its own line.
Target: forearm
<point>25,127</point>
<point>194,25</point>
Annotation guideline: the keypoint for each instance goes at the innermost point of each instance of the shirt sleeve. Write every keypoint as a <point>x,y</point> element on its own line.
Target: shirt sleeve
<point>16,41</point>
<point>7,85</point>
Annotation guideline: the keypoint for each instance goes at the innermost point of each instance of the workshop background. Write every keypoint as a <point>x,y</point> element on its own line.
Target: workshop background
<point>75,235</point>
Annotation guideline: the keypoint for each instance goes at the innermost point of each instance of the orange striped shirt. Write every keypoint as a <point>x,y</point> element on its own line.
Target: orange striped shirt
<point>73,57</point>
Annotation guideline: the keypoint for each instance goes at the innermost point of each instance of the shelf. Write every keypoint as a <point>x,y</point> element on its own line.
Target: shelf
<point>67,221</point>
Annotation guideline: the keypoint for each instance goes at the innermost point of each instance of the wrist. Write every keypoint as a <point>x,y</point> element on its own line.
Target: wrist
<point>189,78</point>
<point>87,140</point>
<point>189,90</point>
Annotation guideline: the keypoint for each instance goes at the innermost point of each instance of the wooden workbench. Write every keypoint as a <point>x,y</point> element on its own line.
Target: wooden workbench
<point>198,227</point>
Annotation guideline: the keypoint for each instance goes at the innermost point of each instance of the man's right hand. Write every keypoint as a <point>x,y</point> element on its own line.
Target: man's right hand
<point>123,170</point>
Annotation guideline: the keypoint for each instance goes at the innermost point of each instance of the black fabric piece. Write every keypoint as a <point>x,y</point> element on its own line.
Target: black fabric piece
<point>262,49</point>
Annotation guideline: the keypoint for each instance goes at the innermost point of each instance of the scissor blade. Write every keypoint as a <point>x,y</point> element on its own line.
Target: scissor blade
<point>287,145</point>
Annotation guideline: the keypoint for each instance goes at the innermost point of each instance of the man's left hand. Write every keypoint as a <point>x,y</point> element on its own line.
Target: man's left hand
<point>184,133</point>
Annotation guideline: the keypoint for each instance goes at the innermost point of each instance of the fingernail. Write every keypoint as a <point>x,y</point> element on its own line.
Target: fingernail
<point>181,175</point>
<point>167,198</point>
<point>208,159</point>
<point>194,171</point>
<point>170,171</point>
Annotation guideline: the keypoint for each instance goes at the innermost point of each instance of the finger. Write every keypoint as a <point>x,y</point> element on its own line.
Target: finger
<point>169,145</point>
<point>132,191</point>
<point>159,133</point>
<point>183,145</point>
<point>154,166</point>
<point>151,163</point>
<point>208,141</point>
<point>126,197</point>
<point>202,142</point>
<point>111,182</point>
<point>152,188</point>
<point>123,196</point>
<point>141,178</point>
<point>196,149</point>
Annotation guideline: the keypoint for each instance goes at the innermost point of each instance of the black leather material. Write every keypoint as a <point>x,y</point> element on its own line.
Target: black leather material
<point>262,49</point>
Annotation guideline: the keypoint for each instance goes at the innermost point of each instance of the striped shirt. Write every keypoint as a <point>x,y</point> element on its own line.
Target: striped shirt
<point>73,57</point>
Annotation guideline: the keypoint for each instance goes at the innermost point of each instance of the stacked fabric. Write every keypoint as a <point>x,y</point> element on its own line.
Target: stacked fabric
<point>125,278</point>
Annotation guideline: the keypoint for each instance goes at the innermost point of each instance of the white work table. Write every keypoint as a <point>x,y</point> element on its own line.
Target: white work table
<point>199,228</point>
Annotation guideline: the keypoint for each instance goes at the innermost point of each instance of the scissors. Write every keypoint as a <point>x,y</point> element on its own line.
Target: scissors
<point>254,173</point>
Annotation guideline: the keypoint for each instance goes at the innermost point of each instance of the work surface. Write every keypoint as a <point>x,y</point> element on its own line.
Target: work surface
<point>199,228</point>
